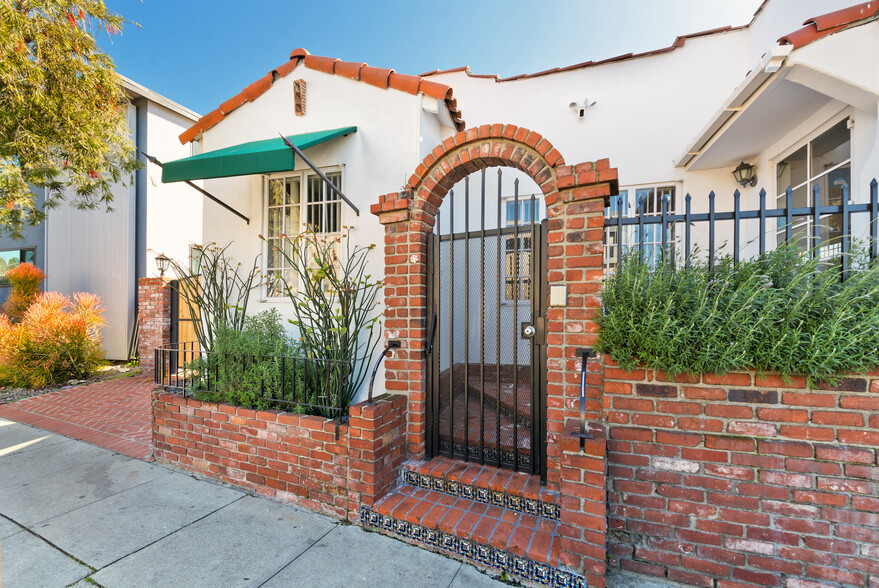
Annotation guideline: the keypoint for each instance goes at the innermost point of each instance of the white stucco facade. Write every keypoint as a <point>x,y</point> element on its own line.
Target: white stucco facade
<point>682,118</point>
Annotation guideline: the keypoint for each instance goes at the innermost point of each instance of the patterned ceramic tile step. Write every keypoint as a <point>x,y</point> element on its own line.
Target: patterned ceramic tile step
<point>514,542</point>
<point>513,491</point>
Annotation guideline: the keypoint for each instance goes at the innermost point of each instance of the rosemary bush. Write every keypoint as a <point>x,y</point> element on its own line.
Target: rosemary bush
<point>333,303</point>
<point>784,312</point>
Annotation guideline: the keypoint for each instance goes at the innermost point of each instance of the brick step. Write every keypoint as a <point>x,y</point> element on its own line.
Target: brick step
<point>514,440</point>
<point>513,491</point>
<point>494,387</point>
<point>517,543</point>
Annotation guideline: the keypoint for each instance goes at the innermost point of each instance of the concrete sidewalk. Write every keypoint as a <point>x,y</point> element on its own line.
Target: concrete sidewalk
<point>72,514</point>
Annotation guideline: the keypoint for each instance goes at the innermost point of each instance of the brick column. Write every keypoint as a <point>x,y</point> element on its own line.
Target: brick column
<point>583,503</point>
<point>576,262</point>
<point>377,436</point>
<point>406,308</point>
<point>154,314</point>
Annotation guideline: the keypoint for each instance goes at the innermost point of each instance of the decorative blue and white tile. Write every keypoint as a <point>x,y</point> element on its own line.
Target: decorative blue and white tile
<point>482,495</point>
<point>425,481</point>
<point>439,485</point>
<point>498,498</point>
<point>410,477</point>
<point>519,565</point>
<point>502,560</point>
<point>465,548</point>
<point>540,572</point>
<point>467,491</point>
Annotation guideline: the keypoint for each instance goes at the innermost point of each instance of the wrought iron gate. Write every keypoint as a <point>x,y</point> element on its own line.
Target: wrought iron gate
<point>486,339</point>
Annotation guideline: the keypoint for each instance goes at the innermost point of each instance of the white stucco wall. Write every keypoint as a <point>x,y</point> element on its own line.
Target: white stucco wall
<point>174,211</point>
<point>375,160</point>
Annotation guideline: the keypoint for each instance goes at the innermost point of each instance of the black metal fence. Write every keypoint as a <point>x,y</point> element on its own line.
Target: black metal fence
<point>835,221</point>
<point>305,385</point>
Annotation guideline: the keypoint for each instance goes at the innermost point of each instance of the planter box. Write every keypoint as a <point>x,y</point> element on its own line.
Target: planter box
<point>310,461</point>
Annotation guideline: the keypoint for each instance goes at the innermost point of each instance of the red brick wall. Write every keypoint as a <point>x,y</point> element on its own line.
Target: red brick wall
<point>583,469</point>
<point>154,314</point>
<point>294,458</point>
<point>743,479</point>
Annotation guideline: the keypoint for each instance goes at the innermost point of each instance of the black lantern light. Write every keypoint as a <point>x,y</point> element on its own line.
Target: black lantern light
<point>163,263</point>
<point>744,175</point>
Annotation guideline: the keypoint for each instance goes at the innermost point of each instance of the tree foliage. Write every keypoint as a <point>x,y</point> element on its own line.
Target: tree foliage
<point>62,109</point>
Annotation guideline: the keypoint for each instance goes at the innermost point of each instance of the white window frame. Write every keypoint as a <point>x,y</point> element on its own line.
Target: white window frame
<point>831,250</point>
<point>303,175</point>
<point>611,244</point>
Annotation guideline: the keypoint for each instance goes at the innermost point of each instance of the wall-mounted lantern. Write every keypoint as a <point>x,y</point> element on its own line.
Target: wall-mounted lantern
<point>744,175</point>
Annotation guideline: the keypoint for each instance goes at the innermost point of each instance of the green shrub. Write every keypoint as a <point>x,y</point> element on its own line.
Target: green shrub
<point>246,369</point>
<point>56,340</point>
<point>783,312</point>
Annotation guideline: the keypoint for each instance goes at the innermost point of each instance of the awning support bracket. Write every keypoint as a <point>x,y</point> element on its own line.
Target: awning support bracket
<point>326,180</point>
<point>203,191</point>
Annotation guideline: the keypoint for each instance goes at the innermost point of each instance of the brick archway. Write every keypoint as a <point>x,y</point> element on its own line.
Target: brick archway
<point>575,199</point>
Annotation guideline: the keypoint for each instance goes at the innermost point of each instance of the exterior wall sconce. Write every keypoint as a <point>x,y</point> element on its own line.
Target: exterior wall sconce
<point>744,175</point>
<point>163,263</point>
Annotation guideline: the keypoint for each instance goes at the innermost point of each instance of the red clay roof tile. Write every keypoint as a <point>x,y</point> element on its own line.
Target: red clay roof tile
<point>232,103</point>
<point>404,83</point>
<point>349,69</point>
<point>258,88</point>
<point>286,68</point>
<point>435,89</point>
<point>375,76</point>
<point>826,24</point>
<point>318,63</point>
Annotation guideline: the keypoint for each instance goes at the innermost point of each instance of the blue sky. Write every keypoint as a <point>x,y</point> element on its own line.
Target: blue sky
<point>200,52</point>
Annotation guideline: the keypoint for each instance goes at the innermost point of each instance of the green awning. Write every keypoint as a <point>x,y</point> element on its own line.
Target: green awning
<point>256,157</point>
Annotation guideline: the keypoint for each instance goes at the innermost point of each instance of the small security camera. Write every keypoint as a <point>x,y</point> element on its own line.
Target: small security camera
<point>579,108</point>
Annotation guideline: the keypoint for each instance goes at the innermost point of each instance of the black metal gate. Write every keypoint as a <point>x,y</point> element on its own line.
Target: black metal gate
<point>486,343</point>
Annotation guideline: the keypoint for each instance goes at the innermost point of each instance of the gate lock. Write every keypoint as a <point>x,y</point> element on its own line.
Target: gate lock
<point>535,330</point>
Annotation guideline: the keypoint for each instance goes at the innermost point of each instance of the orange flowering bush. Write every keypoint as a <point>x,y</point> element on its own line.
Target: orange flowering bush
<point>57,339</point>
<point>25,280</point>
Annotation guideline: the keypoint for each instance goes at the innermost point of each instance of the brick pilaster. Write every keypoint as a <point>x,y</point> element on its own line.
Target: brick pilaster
<point>154,315</point>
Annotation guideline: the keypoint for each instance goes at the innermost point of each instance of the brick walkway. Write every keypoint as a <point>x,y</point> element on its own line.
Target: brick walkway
<point>114,414</point>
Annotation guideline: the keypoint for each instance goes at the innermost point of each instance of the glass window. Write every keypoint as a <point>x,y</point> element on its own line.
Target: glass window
<point>517,269</point>
<point>823,163</point>
<point>526,213</point>
<point>648,198</point>
<point>12,257</point>
<point>292,203</point>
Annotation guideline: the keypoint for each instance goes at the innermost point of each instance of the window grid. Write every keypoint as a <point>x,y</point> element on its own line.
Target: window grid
<point>652,238</point>
<point>293,202</point>
<point>824,161</point>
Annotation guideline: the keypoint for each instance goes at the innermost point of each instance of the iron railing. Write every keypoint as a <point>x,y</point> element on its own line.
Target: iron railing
<point>298,384</point>
<point>839,245</point>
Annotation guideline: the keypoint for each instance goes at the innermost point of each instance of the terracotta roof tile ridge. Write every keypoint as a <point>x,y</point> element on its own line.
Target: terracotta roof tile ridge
<point>827,24</point>
<point>359,71</point>
<point>678,42</point>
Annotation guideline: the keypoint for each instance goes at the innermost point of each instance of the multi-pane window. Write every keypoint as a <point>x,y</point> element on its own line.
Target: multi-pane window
<point>517,268</point>
<point>824,162</point>
<point>294,202</point>
<point>650,199</point>
<point>12,257</point>
<point>525,214</point>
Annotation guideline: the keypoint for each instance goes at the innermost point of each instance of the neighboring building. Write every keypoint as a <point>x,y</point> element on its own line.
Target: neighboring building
<point>106,252</point>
